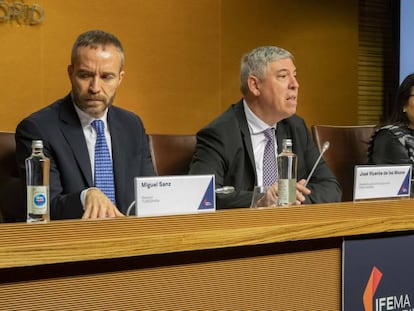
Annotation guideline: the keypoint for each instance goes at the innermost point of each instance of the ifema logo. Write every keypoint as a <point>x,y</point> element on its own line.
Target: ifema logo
<point>399,302</point>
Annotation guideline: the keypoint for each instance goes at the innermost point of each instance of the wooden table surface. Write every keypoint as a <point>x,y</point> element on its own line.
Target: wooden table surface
<point>81,240</point>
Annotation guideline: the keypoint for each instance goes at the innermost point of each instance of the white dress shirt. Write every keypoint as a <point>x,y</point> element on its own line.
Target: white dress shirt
<point>256,129</point>
<point>90,137</point>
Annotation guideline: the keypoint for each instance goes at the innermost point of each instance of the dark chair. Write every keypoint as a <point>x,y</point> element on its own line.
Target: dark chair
<point>348,147</point>
<point>172,154</point>
<point>11,188</point>
<point>8,165</point>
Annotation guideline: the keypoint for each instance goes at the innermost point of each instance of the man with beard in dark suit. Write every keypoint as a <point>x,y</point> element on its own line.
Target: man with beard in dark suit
<point>67,130</point>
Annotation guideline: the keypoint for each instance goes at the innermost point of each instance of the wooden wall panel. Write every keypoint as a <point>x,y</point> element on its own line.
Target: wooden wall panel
<point>265,280</point>
<point>182,56</point>
<point>377,59</point>
<point>323,37</point>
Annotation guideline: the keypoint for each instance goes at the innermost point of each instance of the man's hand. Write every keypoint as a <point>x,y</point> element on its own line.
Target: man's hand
<point>271,196</point>
<point>269,199</point>
<point>97,205</point>
<point>300,191</point>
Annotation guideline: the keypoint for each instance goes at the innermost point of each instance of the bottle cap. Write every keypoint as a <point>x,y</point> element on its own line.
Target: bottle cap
<point>37,144</point>
<point>287,142</point>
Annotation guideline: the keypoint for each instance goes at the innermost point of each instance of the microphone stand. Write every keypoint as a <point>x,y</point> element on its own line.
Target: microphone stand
<point>325,147</point>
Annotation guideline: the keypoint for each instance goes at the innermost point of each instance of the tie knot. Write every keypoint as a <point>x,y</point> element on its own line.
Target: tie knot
<point>98,125</point>
<point>269,133</point>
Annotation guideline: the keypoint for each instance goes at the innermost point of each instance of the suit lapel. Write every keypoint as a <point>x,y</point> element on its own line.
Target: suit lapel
<point>119,149</point>
<point>73,133</point>
<point>244,129</point>
<point>282,133</point>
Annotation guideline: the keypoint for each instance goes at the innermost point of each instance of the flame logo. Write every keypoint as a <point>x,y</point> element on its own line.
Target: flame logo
<point>371,288</point>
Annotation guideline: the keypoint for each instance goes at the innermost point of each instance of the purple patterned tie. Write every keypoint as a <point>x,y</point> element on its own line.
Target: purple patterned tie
<point>104,177</point>
<point>269,159</point>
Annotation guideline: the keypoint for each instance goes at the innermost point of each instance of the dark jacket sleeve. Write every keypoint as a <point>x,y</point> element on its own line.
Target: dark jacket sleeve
<point>220,153</point>
<point>61,205</point>
<point>385,148</point>
<point>323,183</point>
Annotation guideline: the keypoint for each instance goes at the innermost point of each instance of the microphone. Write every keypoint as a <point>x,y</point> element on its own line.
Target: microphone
<point>225,190</point>
<point>325,147</point>
<point>130,208</point>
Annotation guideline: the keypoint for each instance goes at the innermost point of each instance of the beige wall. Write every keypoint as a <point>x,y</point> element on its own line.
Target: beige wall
<point>182,56</point>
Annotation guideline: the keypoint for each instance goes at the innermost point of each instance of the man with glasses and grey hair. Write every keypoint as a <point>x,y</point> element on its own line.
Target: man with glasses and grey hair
<point>232,147</point>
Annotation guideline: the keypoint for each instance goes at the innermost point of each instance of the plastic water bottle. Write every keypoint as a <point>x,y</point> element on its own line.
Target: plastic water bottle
<point>37,182</point>
<point>287,163</point>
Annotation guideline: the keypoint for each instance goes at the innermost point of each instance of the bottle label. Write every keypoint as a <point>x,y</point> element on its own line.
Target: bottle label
<point>286,192</point>
<point>37,199</point>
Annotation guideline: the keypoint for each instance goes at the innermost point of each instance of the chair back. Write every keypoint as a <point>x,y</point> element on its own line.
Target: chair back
<point>11,190</point>
<point>171,154</point>
<point>8,165</point>
<point>348,147</point>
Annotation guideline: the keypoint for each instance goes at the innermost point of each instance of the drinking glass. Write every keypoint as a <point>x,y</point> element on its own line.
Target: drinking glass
<point>259,198</point>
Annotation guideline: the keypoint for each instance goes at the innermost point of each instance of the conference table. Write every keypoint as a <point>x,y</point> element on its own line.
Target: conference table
<point>237,259</point>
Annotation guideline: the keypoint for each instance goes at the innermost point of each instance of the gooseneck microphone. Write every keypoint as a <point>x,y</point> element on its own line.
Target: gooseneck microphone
<point>225,190</point>
<point>325,147</point>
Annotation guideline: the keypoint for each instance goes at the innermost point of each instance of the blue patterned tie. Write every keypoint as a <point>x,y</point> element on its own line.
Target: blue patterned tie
<point>104,177</point>
<point>270,173</point>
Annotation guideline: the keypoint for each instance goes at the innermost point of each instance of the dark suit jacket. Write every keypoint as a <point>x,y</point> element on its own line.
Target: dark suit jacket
<point>59,127</point>
<point>385,148</point>
<point>224,149</point>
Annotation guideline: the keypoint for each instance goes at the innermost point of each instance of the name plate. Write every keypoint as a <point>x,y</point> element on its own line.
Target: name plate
<point>172,195</point>
<point>382,181</point>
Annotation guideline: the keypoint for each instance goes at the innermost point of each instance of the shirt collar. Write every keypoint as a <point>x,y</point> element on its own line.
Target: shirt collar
<point>256,125</point>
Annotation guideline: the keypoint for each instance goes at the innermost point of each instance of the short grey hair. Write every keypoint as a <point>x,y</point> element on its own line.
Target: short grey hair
<point>95,38</point>
<point>256,62</point>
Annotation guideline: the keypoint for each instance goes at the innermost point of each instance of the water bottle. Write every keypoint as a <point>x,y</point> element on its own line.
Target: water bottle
<point>37,183</point>
<point>287,163</point>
